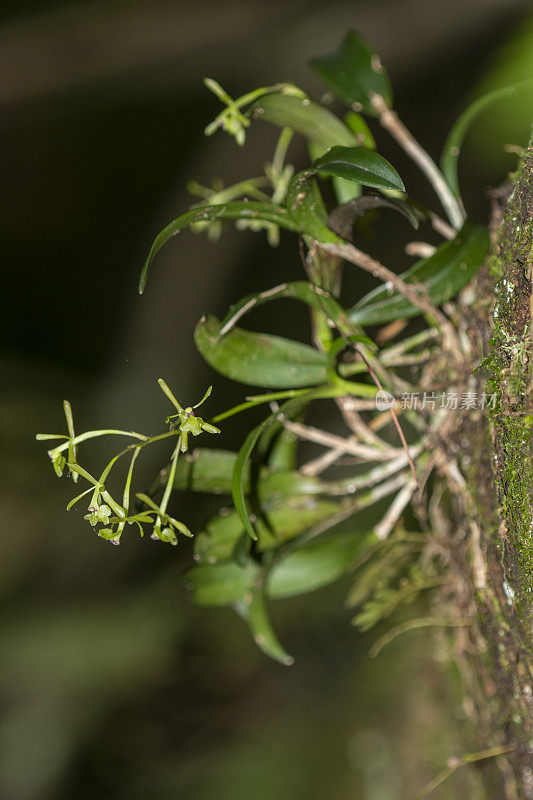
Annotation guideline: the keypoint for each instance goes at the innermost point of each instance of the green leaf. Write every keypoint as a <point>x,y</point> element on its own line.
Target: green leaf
<point>309,567</point>
<point>355,164</point>
<point>306,207</point>
<point>361,165</point>
<point>454,142</point>
<point>210,470</point>
<point>254,611</point>
<point>287,505</point>
<point>278,523</point>
<point>443,274</point>
<point>317,564</point>
<point>281,450</point>
<point>356,123</point>
<point>304,116</point>
<point>239,473</point>
<point>241,550</point>
<point>205,470</point>
<point>354,72</point>
<point>259,359</point>
<point>217,541</point>
<point>292,517</point>
<point>233,210</point>
<point>221,584</point>
<point>230,584</point>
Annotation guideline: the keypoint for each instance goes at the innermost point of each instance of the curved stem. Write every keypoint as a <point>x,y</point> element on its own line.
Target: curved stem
<point>391,122</point>
<point>83,437</point>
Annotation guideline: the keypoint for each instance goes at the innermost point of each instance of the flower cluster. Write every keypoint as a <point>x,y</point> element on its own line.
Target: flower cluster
<point>105,510</point>
<point>231,119</point>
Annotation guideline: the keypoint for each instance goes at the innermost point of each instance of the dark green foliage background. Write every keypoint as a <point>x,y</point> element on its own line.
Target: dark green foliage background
<point>111,684</point>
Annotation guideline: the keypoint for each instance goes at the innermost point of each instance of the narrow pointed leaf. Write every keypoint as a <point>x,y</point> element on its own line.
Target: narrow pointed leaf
<point>443,274</point>
<point>259,359</point>
<point>354,72</point>
<point>255,613</point>
<point>233,210</point>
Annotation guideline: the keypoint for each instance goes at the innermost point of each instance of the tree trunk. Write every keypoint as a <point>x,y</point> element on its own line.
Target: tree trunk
<point>495,451</point>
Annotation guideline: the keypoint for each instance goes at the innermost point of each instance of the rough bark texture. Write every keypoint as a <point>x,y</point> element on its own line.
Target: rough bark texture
<point>497,457</point>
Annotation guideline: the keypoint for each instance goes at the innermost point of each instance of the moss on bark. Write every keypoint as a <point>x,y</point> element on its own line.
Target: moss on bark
<point>500,478</point>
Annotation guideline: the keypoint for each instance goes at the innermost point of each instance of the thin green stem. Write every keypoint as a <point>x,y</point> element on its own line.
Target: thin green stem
<point>469,758</point>
<point>414,624</point>
<point>83,437</point>
<point>170,482</point>
<point>127,486</point>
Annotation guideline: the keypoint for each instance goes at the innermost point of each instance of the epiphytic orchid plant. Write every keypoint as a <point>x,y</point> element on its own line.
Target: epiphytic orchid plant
<point>294,524</point>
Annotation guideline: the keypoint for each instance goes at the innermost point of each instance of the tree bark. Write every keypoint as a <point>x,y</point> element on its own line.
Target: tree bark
<point>496,454</point>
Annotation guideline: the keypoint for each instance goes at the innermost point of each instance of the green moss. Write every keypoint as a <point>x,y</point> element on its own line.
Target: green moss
<point>509,367</point>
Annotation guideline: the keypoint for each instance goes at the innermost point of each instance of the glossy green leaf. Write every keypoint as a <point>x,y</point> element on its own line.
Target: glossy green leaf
<point>452,146</point>
<point>254,611</point>
<point>234,210</point>
<point>443,274</point>
<point>354,72</point>
<point>230,584</point>
<point>344,190</point>
<point>259,359</point>
<point>317,564</point>
<point>355,164</point>
<point>361,165</point>
<point>306,117</point>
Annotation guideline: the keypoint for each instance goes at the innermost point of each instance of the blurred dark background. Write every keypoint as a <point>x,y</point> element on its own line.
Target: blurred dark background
<point>111,684</point>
